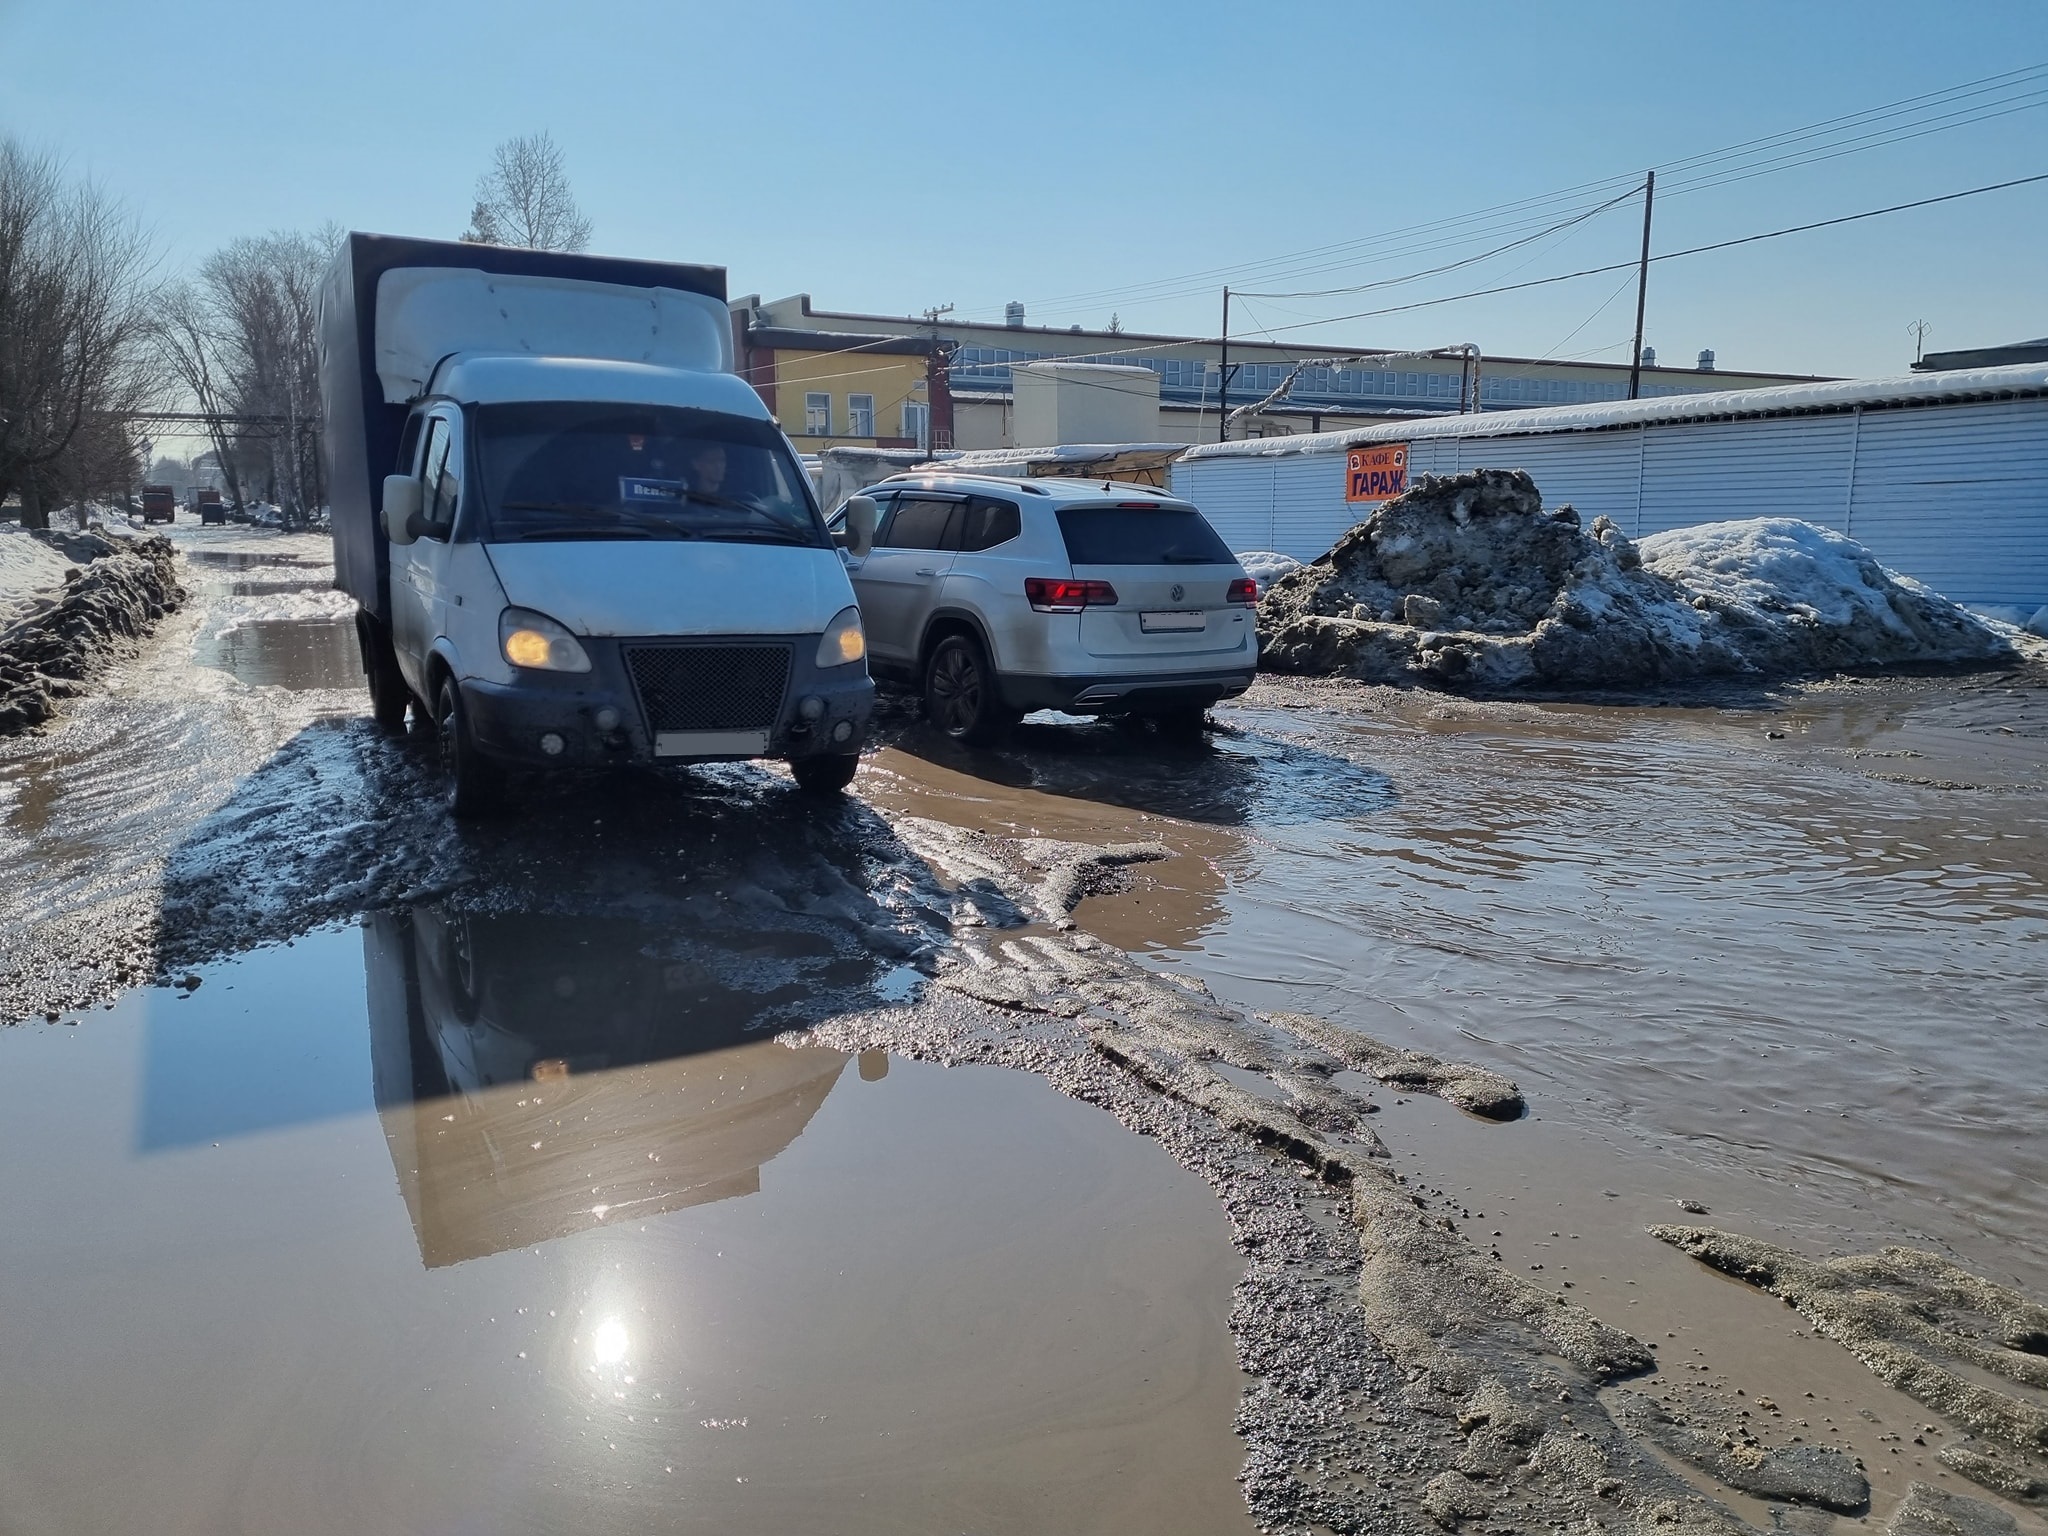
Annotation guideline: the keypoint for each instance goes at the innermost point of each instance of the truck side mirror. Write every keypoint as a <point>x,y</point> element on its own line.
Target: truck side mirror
<point>861,516</point>
<point>401,506</point>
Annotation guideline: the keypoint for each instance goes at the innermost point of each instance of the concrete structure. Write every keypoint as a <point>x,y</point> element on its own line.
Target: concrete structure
<point>1943,475</point>
<point>1059,403</point>
<point>980,401</point>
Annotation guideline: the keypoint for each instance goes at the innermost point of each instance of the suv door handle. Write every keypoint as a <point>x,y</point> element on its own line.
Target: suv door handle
<point>927,570</point>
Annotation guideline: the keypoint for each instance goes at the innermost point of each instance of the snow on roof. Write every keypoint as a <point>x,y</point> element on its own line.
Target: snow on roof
<point>1135,371</point>
<point>1778,400</point>
<point>1064,453</point>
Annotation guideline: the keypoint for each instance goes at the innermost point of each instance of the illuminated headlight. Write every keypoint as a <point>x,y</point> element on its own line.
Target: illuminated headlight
<point>844,641</point>
<point>535,641</point>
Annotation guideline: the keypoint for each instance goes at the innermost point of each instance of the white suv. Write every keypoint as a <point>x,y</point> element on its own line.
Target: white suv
<point>996,597</point>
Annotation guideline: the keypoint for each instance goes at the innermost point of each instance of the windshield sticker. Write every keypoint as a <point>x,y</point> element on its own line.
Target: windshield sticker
<point>642,491</point>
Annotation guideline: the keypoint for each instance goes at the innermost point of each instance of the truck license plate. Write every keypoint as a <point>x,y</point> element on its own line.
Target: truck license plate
<point>1168,622</point>
<point>710,743</point>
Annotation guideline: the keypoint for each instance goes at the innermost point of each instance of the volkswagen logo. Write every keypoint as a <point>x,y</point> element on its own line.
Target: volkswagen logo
<point>1179,592</point>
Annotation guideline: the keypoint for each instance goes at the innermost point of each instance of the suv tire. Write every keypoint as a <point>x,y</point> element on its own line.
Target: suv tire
<point>476,785</point>
<point>1182,724</point>
<point>960,696</point>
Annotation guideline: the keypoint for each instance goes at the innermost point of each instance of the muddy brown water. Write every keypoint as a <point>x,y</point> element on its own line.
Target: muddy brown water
<point>452,1223</point>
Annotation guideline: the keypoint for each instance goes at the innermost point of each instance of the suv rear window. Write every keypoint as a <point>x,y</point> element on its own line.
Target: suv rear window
<point>1144,535</point>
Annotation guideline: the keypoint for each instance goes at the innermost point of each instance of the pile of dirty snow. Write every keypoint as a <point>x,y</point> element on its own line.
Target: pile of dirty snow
<point>31,572</point>
<point>1266,566</point>
<point>111,594</point>
<point>1467,581</point>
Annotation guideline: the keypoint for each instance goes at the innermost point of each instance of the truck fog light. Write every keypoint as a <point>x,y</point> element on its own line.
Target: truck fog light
<point>551,743</point>
<point>843,731</point>
<point>811,707</point>
<point>607,719</point>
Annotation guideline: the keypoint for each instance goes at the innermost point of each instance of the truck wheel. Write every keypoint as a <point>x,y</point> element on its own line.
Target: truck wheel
<point>388,693</point>
<point>826,774</point>
<point>476,785</point>
<point>960,693</point>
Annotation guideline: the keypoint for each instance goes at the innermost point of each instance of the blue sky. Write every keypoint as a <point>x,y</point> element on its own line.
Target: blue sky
<point>889,156</point>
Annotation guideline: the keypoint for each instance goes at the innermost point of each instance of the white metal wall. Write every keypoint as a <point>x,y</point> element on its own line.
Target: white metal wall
<point>1955,495</point>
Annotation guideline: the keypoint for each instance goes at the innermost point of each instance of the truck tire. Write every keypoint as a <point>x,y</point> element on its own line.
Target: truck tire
<point>960,695</point>
<point>388,693</point>
<point>476,785</point>
<point>826,774</point>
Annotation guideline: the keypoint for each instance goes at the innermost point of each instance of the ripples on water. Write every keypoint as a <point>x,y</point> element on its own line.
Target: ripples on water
<point>1786,968</point>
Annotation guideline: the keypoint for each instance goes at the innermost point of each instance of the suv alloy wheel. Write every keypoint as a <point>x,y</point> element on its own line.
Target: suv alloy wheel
<point>960,693</point>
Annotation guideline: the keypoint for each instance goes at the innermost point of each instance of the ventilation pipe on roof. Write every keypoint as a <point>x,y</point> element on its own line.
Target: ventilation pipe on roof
<point>1707,361</point>
<point>1649,357</point>
<point>1013,315</point>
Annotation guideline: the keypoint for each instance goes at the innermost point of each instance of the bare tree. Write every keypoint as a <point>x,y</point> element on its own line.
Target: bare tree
<point>74,326</point>
<point>188,336</point>
<point>524,199</point>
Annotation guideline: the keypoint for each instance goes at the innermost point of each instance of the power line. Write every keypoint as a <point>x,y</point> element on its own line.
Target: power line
<point>2026,78</point>
<point>1718,245</point>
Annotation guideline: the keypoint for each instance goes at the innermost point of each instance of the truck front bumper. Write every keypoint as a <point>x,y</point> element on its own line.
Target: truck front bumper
<point>600,718</point>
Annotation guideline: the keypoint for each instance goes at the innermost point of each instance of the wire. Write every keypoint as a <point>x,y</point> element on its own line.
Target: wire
<point>1389,282</point>
<point>1616,266</point>
<point>1153,290</point>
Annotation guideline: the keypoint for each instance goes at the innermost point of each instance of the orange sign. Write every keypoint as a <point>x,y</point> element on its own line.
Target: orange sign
<point>1378,473</point>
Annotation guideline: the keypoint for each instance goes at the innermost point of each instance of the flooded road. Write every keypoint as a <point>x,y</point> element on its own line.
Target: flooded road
<point>508,1223</point>
<point>405,1223</point>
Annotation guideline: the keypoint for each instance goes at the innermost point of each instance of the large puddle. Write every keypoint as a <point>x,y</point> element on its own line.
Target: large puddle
<point>457,1223</point>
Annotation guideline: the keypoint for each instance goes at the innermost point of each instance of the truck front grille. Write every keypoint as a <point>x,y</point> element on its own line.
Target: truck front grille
<point>710,687</point>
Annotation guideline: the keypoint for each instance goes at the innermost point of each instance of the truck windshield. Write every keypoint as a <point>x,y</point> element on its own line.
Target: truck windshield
<point>564,470</point>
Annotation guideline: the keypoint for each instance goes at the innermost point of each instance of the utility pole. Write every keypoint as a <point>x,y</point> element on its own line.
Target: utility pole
<point>1635,367</point>
<point>1223,377</point>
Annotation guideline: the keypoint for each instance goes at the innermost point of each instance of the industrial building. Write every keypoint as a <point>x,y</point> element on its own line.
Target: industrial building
<point>830,358</point>
<point>1944,476</point>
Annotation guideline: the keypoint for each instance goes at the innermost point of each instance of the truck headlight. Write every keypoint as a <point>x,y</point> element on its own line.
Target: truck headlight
<point>535,641</point>
<point>844,641</point>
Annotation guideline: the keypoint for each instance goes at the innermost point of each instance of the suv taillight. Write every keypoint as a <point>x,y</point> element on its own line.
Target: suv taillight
<point>1056,594</point>
<point>1243,590</point>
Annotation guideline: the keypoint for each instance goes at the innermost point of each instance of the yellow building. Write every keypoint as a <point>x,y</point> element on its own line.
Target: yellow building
<point>832,390</point>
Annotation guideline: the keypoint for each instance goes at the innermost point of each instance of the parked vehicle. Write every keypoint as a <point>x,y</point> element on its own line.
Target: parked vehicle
<point>159,504</point>
<point>207,505</point>
<point>995,597</point>
<point>575,537</point>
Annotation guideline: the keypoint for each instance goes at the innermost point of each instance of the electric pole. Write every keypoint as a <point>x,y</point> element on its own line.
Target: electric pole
<point>1223,377</point>
<point>1635,367</point>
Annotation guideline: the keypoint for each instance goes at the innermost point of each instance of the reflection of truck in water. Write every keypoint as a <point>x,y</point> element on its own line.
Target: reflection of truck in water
<point>159,504</point>
<point>575,536</point>
<point>539,1076</point>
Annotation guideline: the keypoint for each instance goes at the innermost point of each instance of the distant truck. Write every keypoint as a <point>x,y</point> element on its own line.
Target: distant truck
<point>159,504</point>
<point>574,535</point>
<point>206,505</point>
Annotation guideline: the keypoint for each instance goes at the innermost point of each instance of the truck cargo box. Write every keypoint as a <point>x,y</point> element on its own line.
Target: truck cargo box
<point>392,308</point>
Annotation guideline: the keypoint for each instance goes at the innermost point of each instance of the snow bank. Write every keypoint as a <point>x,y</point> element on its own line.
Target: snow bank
<point>114,594</point>
<point>1265,566</point>
<point>1468,581</point>
<point>31,573</point>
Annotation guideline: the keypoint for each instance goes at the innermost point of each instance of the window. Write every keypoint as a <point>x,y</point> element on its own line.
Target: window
<point>990,523</point>
<point>923,524</point>
<point>817,415</point>
<point>442,485</point>
<point>433,460</point>
<point>860,415</point>
<point>917,422</point>
<point>1150,535</point>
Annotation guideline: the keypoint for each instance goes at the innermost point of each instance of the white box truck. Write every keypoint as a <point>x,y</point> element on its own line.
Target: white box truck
<point>575,537</point>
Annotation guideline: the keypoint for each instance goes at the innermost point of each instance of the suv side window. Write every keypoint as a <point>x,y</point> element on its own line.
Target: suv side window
<point>990,523</point>
<point>923,524</point>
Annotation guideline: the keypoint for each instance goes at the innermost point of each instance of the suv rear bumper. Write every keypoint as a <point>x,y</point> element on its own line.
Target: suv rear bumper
<point>1143,694</point>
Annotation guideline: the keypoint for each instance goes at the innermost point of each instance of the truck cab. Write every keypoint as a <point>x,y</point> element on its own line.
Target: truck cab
<point>590,544</point>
